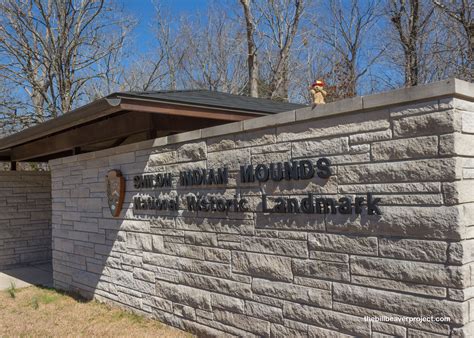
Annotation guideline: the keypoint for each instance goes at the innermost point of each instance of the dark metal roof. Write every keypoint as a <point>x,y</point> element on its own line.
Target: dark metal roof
<point>206,98</point>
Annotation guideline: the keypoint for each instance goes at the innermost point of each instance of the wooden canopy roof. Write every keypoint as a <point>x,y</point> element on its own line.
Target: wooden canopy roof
<point>128,117</point>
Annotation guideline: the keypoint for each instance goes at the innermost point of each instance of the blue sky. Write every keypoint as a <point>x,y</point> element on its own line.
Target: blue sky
<point>144,12</point>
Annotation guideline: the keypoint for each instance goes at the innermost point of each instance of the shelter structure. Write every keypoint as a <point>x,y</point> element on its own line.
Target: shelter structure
<point>128,117</point>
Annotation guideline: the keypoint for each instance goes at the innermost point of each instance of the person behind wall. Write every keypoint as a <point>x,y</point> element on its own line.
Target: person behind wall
<point>318,94</point>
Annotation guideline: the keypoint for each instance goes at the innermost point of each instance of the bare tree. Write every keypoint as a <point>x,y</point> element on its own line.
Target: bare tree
<point>252,61</point>
<point>170,50</point>
<point>9,118</point>
<point>271,28</point>
<point>410,20</point>
<point>310,63</point>
<point>349,33</point>
<point>279,27</point>
<point>155,69</point>
<point>461,14</point>
<point>214,55</point>
<point>110,73</point>
<point>144,74</point>
<point>50,48</point>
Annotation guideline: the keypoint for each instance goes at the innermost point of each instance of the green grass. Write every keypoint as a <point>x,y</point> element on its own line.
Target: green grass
<point>132,317</point>
<point>48,298</point>
<point>35,303</point>
<point>41,312</point>
<point>12,290</point>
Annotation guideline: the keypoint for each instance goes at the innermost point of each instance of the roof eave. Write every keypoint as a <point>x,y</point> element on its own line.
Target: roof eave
<point>89,112</point>
<point>109,105</point>
<point>122,96</point>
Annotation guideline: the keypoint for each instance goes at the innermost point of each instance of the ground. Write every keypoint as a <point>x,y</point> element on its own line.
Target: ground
<point>42,312</point>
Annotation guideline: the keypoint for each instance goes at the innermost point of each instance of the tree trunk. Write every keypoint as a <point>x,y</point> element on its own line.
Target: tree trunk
<point>279,85</point>
<point>252,61</point>
<point>471,50</point>
<point>409,35</point>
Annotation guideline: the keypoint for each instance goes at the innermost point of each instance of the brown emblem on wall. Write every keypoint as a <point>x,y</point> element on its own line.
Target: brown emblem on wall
<point>115,191</point>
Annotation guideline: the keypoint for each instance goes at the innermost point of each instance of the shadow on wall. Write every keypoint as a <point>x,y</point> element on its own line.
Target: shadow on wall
<point>25,218</point>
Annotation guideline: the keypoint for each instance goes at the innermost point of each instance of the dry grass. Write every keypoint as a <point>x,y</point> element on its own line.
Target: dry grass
<point>46,313</point>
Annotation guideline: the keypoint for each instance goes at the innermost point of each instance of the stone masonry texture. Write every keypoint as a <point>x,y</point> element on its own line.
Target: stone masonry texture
<point>286,275</point>
<point>25,218</point>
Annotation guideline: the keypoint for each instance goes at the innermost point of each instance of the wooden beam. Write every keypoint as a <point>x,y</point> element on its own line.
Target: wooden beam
<point>118,142</point>
<point>176,110</point>
<point>151,133</point>
<point>13,166</point>
<point>109,129</point>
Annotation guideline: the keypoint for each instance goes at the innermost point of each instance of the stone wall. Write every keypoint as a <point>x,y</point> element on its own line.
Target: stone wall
<point>286,275</point>
<point>25,218</point>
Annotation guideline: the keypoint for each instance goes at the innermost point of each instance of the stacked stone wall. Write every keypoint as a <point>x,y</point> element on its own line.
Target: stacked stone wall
<point>286,275</point>
<point>25,218</point>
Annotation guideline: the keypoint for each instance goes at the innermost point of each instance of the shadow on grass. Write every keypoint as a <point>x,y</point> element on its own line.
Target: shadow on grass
<point>74,295</point>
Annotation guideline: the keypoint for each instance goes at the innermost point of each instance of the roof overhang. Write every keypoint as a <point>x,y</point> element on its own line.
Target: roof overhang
<point>109,122</point>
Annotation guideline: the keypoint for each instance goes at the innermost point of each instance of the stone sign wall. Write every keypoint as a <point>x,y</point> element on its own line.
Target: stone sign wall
<point>25,218</point>
<point>255,273</point>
